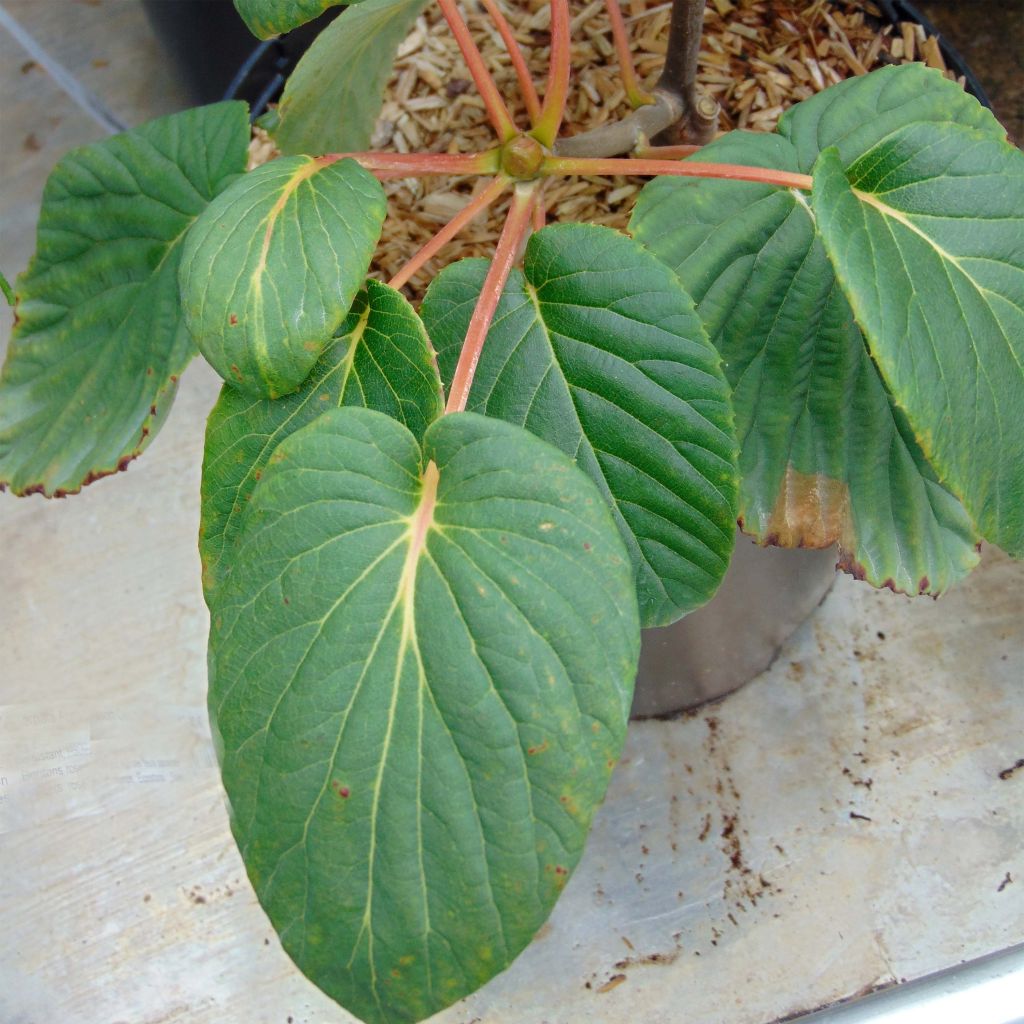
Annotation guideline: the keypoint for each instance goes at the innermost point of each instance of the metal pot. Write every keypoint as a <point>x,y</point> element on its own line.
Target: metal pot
<point>766,594</point>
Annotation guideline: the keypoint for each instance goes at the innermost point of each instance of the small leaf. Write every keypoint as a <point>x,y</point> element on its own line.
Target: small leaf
<point>597,349</point>
<point>421,670</point>
<point>7,290</point>
<point>381,359</point>
<point>267,18</point>
<point>926,233</point>
<point>271,269</point>
<point>99,341</point>
<point>825,458</point>
<point>334,95</point>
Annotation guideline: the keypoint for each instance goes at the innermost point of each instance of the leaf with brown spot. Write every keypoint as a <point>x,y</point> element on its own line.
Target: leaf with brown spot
<point>825,455</point>
<point>270,270</point>
<point>390,677</point>
<point>380,359</point>
<point>98,340</point>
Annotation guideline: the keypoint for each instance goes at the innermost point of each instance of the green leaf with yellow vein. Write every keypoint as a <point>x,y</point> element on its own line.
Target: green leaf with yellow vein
<point>859,113</point>
<point>926,234</point>
<point>335,93</point>
<point>825,457</point>
<point>596,347</point>
<point>99,341</point>
<point>271,269</point>
<point>267,18</point>
<point>380,359</point>
<point>421,670</point>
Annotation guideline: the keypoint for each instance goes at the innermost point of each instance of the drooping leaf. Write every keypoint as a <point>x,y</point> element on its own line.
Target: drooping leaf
<point>380,359</point>
<point>825,458</point>
<point>335,93</point>
<point>596,348</point>
<point>267,18</point>
<point>99,341</point>
<point>926,233</point>
<point>270,270</point>
<point>421,669</point>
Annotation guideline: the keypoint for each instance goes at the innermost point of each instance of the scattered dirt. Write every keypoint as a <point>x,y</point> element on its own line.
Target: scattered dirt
<point>1007,773</point>
<point>743,887</point>
<point>613,982</point>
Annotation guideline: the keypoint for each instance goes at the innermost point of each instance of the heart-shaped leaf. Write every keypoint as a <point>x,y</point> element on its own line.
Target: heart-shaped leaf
<point>381,359</point>
<point>267,18</point>
<point>825,457</point>
<point>270,271</point>
<point>333,96</point>
<point>99,342</point>
<point>421,669</point>
<point>926,232</point>
<point>596,348</point>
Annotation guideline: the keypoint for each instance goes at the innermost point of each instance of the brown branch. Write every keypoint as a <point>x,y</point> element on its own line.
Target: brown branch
<point>635,129</point>
<point>699,121</point>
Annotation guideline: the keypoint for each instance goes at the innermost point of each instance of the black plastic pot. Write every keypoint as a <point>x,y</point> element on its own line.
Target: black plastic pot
<point>899,10</point>
<point>219,58</point>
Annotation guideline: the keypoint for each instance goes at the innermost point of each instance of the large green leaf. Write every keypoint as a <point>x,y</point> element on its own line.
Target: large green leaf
<point>825,457</point>
<point>270,270</point>
<point>98,341</point>
<point>381,359</point>
<point>267,18</point>
<point>596,348</point>
<point>926,232</point>
<point>421,668</point>
<point>859,113</point>
<point>334,95</point>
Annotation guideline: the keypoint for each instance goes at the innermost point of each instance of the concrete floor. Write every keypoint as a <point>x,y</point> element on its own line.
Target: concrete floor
<point>883,843</point>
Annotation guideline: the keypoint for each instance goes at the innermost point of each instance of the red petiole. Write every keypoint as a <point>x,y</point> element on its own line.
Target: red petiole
<point>680,168</point>
<point>635,92</point>
<point>498,113</point>
<point>505,255</point>
<point>412,165</point>
<point>665,152</point>
<point>557,94</point>
<point>474,207</point>
<point>519,65</point>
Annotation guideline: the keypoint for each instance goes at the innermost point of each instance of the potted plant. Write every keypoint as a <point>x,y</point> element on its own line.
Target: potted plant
<point>426,598</point>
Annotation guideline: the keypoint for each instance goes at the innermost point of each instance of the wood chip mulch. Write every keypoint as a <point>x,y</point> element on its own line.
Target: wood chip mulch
<point>758,57</point>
